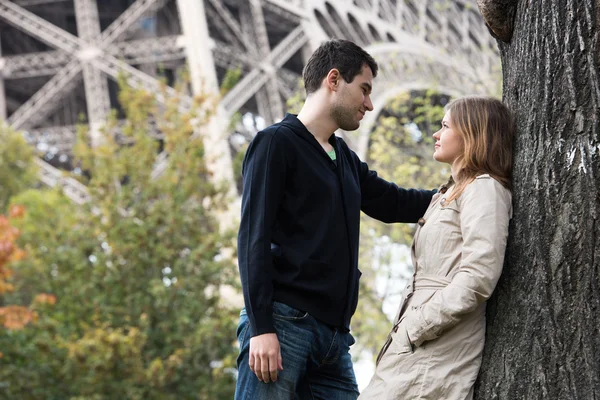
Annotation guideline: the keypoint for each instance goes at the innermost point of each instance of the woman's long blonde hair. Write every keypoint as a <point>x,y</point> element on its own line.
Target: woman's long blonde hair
<point>487,127</point>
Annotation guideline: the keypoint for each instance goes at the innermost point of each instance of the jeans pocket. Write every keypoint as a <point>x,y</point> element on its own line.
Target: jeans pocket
<point>286,313</point>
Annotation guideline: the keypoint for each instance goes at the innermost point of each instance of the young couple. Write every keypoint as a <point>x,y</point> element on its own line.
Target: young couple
<point>298,245</point>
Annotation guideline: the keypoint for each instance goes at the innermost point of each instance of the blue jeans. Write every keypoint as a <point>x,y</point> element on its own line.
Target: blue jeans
<point>316,360</point>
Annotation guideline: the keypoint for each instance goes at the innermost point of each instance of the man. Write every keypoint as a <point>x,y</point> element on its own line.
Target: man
<point>298,238</point>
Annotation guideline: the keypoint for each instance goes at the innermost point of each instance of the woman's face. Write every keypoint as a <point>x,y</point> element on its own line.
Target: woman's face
<point>449,145</point>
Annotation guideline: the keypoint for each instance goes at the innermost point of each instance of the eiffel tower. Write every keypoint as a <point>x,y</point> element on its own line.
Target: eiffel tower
<point>60,59</point>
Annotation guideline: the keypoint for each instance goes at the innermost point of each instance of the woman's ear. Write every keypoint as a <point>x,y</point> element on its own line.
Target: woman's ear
<point>333,79</point>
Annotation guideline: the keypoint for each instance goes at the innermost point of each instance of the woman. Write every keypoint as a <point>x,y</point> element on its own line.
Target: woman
<point>435,347</point>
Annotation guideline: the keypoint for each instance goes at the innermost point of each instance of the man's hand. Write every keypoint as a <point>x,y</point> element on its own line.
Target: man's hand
<point>265,357</point>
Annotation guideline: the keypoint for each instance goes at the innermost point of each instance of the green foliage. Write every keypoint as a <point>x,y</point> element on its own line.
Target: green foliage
<point>400,150</point>
<point>294,103</point>
<point>17,171</point>
<point>231,78</point>
<point>137,273</point>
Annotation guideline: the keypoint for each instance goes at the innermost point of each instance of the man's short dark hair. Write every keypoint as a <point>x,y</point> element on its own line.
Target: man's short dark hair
<point>344,55</point>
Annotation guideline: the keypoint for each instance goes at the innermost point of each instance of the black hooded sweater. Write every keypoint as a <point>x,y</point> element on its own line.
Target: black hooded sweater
<point>299,230</point>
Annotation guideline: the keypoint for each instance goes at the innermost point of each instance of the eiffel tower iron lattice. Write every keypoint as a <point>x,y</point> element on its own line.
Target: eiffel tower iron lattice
<point>58,54</point>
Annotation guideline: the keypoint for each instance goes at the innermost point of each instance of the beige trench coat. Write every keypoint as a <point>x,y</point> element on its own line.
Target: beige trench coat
<point>434,350</point>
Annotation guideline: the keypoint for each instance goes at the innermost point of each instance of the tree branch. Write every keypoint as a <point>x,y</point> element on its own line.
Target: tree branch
<point>499,16</point>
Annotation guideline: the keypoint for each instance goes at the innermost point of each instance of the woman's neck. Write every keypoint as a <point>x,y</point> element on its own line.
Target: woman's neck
<point>455,170</point>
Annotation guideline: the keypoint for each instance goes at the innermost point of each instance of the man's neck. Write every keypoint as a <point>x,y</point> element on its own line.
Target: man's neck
<point>317,121</point>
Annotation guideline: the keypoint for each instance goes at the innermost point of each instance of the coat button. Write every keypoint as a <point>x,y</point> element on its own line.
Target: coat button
<point>421,221</point>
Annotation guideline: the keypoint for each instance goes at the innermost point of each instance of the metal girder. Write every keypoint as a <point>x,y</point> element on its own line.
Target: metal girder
<point>223,29</point>
<point>262,103</point>
<point>139,51</point>
<point>96,94</point>
<point>227,56</point>
<point>53,177</point>
<point>285,5</point>
<point>341,22</point>
<point>38,27</point>
<point>204,81</point>
<point>60,138</point>
<point>331,25</point>
<point>260,30</point>
<point>58,38</point>
<point>400,11</point>
<point>126,21</point>
<point>142,51</point>
<point>275,105</point>
<point>231,24</point>
<point>414,22</point>
<point>422,6</point>
<point>40,104</point>
<point>248,25</point>
<point>108,64</point>
<point>292,7</point>
<point>254,80</point>
<point>34,64</point>
<point>284,89</point>
<point>113,68</point>
<point>88,20</point>
<point>386,11</point>
<point>28,3</point>
<point>295,16</point>
<point>290,79</point>
<point>96,87</point>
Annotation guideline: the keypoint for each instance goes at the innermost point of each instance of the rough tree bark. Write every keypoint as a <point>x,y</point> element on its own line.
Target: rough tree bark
<point>543,321</point>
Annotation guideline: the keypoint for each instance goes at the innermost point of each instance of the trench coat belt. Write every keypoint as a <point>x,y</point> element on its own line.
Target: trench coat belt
<point>431,282</point>
<point>420,282</point>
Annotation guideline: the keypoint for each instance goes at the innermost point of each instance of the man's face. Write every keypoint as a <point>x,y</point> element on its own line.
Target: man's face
<point>353,100</point>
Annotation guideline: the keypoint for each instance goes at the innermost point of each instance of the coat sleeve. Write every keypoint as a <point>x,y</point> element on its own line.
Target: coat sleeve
<point>387,202</point>
<point>264,176</point>
<point>485,209</point>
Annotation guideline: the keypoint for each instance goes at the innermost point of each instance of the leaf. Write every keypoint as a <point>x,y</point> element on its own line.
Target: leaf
<point>16,317</point>
<point>44,298</point>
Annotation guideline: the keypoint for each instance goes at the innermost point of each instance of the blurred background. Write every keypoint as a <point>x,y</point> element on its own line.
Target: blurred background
<point>124,127</point>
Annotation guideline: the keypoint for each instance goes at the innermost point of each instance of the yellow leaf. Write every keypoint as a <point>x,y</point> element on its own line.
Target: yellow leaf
<point>6,287</point>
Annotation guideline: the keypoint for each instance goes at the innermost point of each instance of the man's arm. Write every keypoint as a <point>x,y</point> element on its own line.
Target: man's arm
<point>264,181</point>
<point>386,201</point>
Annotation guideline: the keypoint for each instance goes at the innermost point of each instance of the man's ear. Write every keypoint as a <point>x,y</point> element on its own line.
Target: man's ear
<point>333,79</point>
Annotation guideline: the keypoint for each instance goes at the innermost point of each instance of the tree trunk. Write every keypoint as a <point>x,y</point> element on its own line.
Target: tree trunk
<point>543,322</point>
